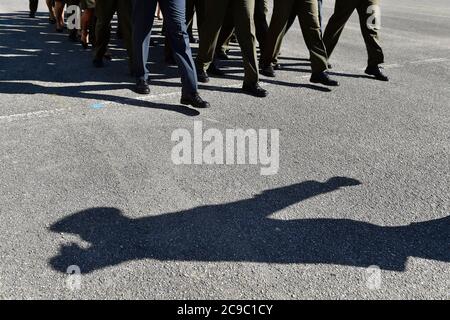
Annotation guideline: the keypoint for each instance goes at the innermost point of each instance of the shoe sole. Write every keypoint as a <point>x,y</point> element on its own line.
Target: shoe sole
<point>377,78</point>
<point>255,95</point>
<point>325,84</point>
<point>188,103</point>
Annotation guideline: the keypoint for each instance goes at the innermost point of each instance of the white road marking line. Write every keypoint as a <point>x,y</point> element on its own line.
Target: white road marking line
<point>433,60</point>
<point>15,55</point>
<point>159,96</point>
<point>32,115</point>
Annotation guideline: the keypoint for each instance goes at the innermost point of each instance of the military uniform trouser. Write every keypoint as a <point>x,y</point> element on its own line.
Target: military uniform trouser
<point>174,12</point>
<point>307,12</point>
<point>243,16</point>
<point>342,11</point>
<point>197,7</point>
<point>33,5</point>
<point>104,11</point>
<point>261,26</point>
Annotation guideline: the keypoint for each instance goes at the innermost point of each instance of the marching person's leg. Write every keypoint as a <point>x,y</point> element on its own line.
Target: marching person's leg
<point>200,12</point>
<point>190,11</point>
<point>226,33</point>
<point>88,7</point>
<point>291,20</point>
<point>369,29</point>
<point>59,14</point>
<point>51,12</point>
<point>244,11</point>
<point>104,10</point>
<point>320,3</point>
<point>215,11</point>
<point>282,11</point>
<point>33,8</point>
<point>175,18</point>
<point>343,9</point>
<point>143,16</point>
<point>73,8</point>
<point>261,26</point>
<point>124,13</point>
<point>308,14</point>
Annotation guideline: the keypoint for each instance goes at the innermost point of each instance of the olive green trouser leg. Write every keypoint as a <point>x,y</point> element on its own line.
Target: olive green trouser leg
<point>370,32</point>
<point>261,9</point>
<point>261,27</point>
<point>223,43</point>
<point>33,6</point>
<point>215,11</point>
<point>243,11</point>
<point>281,12</point>
<point>104,10</point>
<point>124,12</point>
<point>308,14</point>
<point>194,7</point>
<point>342,11</point>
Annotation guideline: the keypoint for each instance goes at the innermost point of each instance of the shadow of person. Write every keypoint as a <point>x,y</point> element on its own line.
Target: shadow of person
<point>93,92</point>
<point>243,231</point>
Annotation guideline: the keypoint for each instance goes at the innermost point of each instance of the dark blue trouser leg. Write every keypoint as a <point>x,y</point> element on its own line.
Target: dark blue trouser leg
<point>143,15</point>
<point>174,12</point>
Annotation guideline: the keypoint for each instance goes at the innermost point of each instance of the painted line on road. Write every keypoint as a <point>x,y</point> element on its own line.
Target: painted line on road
<point>32,115</point>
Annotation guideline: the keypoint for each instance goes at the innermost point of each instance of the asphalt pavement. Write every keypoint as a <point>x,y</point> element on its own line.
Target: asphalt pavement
<point>359,208</point>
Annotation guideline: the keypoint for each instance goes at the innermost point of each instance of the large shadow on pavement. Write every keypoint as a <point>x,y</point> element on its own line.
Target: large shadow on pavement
<point>244,231</point>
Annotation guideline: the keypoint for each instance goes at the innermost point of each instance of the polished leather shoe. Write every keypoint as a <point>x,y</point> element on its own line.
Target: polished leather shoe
<point>194,100</point>
<point>323,78</point>
<point>142,86</point>
<point>377,73</point>
<point>202,76</point>
<point>255,90</point>
<point>222,55</point>
<point>214,70</point>
<point>268,70</point>
<point>192,39</point>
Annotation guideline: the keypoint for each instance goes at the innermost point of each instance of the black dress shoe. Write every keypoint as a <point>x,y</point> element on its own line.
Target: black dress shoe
<point>98,63</point>
<point>267,70</point>
<point>192,39</point>
<point>254,90</point>
<point>213,69</point>
<point>323,78</point>
<point>194,100</point>
<point>202,76</point>
<point>377,73</point>
<point>222,55</point>
<point>142,86</point>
